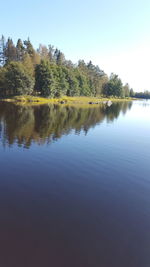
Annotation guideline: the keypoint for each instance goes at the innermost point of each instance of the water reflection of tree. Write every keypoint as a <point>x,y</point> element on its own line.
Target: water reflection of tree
<point>114,111</point>
<point>46,123</point>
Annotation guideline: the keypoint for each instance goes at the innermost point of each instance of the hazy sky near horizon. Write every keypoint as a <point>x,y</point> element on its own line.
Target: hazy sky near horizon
<point>113,34</point>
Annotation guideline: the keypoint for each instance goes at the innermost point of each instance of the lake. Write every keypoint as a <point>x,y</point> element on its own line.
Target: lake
<point>75,185</point>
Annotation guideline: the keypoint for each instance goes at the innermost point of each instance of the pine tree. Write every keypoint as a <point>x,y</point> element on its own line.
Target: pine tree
<point>10,51</point>
<point>51,52</point>
<point>20,50</point>
<point>29,47</point>
<point>44,79</point>
<point>60,58</point>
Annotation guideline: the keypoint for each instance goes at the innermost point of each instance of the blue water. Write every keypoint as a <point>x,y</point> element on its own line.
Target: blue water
<point>75,186</point>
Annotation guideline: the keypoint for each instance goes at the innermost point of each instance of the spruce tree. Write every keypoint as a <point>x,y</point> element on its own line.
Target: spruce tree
<point>10,51</point>
<point>20,50</point>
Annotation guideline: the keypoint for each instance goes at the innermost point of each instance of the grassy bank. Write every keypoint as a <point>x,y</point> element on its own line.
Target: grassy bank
<point>33,100</point>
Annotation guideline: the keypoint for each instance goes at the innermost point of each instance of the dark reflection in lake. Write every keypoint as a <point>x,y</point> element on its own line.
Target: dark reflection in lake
<point>24,124</point>
<point>82,201</point>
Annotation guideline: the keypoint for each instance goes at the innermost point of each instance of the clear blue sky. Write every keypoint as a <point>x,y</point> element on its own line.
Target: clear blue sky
<point>113,34</point>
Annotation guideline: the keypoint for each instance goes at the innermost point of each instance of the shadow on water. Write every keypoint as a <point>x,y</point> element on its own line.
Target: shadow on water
<point>47,123</point>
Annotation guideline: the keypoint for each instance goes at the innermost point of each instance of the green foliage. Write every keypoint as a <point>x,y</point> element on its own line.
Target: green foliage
<point>28,47</point>
<point>62,83</point>
<point>73,82</point>
<point>126,90</point>
<point>132,94</point>
<point>114,86</point>
<point>2,81</point>
<point>15,80</point>
<point>20,50</point>
<point>10,51</point>
<point>28,64</point>
<point>83,85</point>
<point>54,76</point>
<point>44,79</point>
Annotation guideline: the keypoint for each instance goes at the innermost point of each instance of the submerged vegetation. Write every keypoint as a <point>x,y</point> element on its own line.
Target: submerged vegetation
<point>46,72</point>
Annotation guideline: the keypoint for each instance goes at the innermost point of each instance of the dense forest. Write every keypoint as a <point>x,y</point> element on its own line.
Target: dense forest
<point>45,71</point>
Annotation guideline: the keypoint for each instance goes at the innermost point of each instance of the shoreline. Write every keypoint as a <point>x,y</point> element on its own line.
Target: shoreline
<point>80,100</point>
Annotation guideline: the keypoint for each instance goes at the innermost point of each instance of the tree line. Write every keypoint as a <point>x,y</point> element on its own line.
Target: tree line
<point>45,71</point>
<point>145,95</point>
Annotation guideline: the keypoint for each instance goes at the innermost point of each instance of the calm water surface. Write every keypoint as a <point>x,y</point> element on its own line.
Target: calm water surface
<point>75,186</point>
